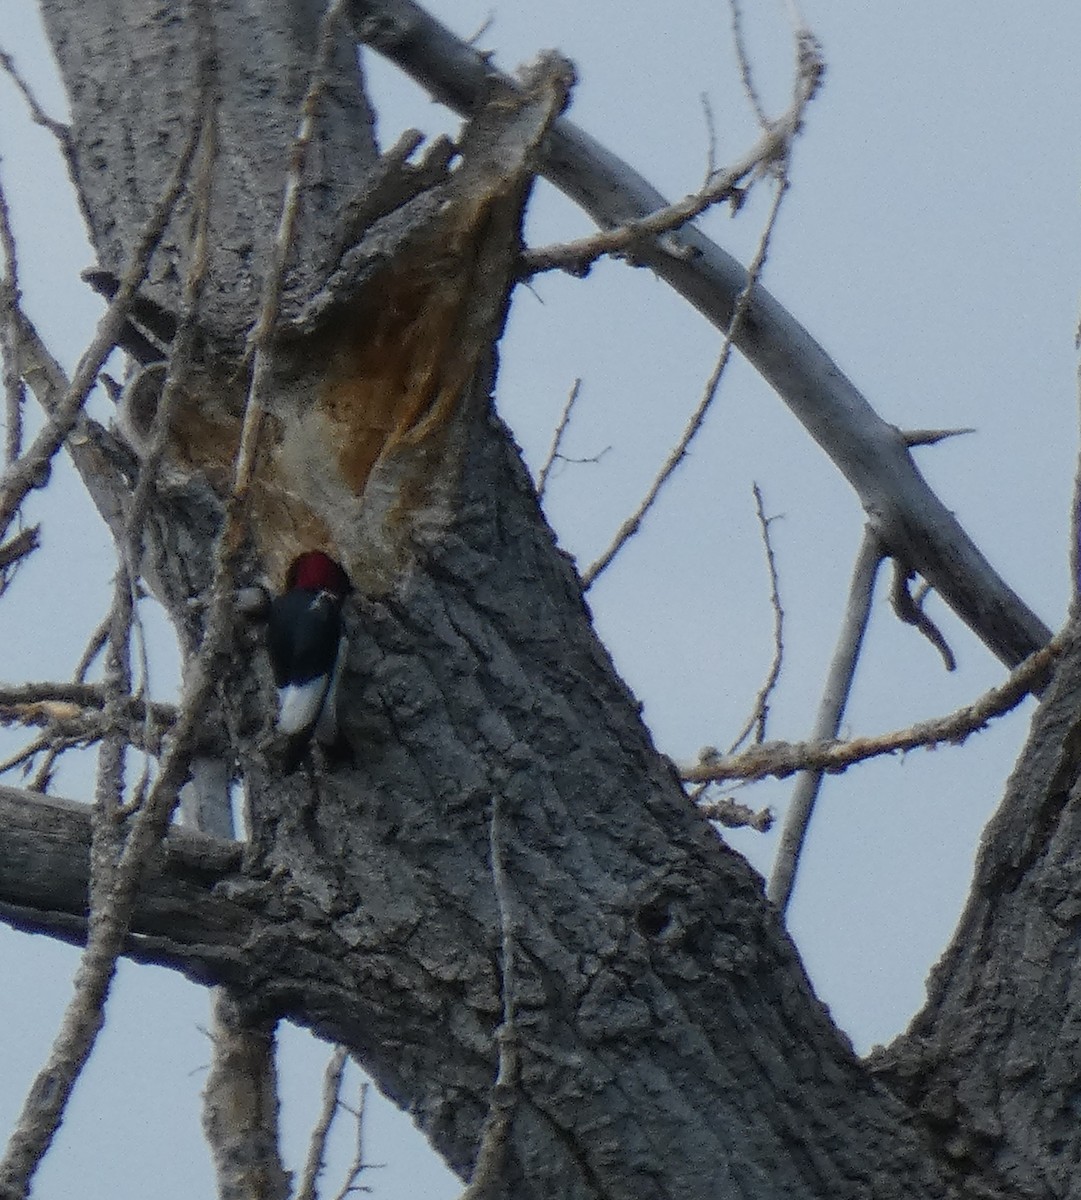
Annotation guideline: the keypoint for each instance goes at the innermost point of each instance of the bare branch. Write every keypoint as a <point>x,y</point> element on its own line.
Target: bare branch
<point>557,439</point>
<point>358,1165</point>
<point>240,1104</point>
<point>577,256</point>
<point>743,58</point>
<point>831,710</point>
<point>13,551</point>
<point>781,759</point>
<point>25,755</point>
<point>481,30</point>
<point>756,722</point>
<point>115,876</point>
<point>711,142</point>
<point>14,392</point>
<point>103,479</point>
<point>19,703</point>
<point>725,811</point>
<point>504,1097</point>
<point>772,150</point>
<point>94,647</point>
<point>317,1147</point>
<point>43,776</point>
<point>634,522</point>
<point>39,116</point>
<point>240,1144</point>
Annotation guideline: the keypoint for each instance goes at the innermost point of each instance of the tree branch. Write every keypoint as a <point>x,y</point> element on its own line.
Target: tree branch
<point>756,722</point>
<point>32,467</point>
<point>180,920</point>
<point>781,759</point>
<point>828,721</point>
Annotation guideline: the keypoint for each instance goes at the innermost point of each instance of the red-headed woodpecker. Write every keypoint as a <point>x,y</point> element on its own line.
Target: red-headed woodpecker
<point>304,637</point>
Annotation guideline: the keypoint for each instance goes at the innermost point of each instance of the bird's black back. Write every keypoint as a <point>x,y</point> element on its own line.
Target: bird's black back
<point>303,630</point>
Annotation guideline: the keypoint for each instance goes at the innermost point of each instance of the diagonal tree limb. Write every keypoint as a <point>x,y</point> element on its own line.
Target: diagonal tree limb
<point>913,524</point>
<point>830,711</point>
<point>102,477</point>
<point>781,759</point>
<point>307,1188</point>
<point>14,391</point>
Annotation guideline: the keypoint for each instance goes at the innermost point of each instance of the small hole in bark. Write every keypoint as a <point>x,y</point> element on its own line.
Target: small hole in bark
<point>652,919</point>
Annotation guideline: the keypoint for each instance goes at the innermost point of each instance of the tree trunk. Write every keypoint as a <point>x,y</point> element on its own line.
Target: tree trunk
<point>992,1061</point>
<point>668,1041</point>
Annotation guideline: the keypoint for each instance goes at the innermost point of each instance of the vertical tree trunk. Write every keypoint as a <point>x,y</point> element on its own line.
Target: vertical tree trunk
<point>992,1062</point>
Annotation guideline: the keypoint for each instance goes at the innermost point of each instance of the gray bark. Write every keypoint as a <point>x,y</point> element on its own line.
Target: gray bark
<point>992,1061</point>
<point>669,1042</point>
<point>133,72</point>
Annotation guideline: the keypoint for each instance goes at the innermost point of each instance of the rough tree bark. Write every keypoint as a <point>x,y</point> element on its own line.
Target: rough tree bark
<point>669,1042</point>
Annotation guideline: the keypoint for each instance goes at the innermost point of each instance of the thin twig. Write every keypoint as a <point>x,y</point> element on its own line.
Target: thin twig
<point>743,58</point>
<point>483,28</point>
<point>711,137</point>
<point>358,1165</point>
<point>14,389</point>
<point>58,129</point>
<point>328,1108</point>
<point>94,647</point>
<point>32,468</point>
<point>577,256</point>
<point>931,437</point>
<point>557,438</point>
<point>1075,510</point>
<point>781,759</point>
<point>43,776</point>
<point>756,722</point>
<point>491,1152</point>
<point>25,754</point>
<point>830,712</point>
<point>633,523</point>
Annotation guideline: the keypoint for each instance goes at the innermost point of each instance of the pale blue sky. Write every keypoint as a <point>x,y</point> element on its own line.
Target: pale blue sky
<point>930,241</point>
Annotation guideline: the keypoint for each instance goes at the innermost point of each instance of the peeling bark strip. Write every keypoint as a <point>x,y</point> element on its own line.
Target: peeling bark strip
<point>371,404</point>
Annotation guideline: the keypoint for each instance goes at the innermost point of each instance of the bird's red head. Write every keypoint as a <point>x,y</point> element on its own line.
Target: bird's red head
<point>316,572</point>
